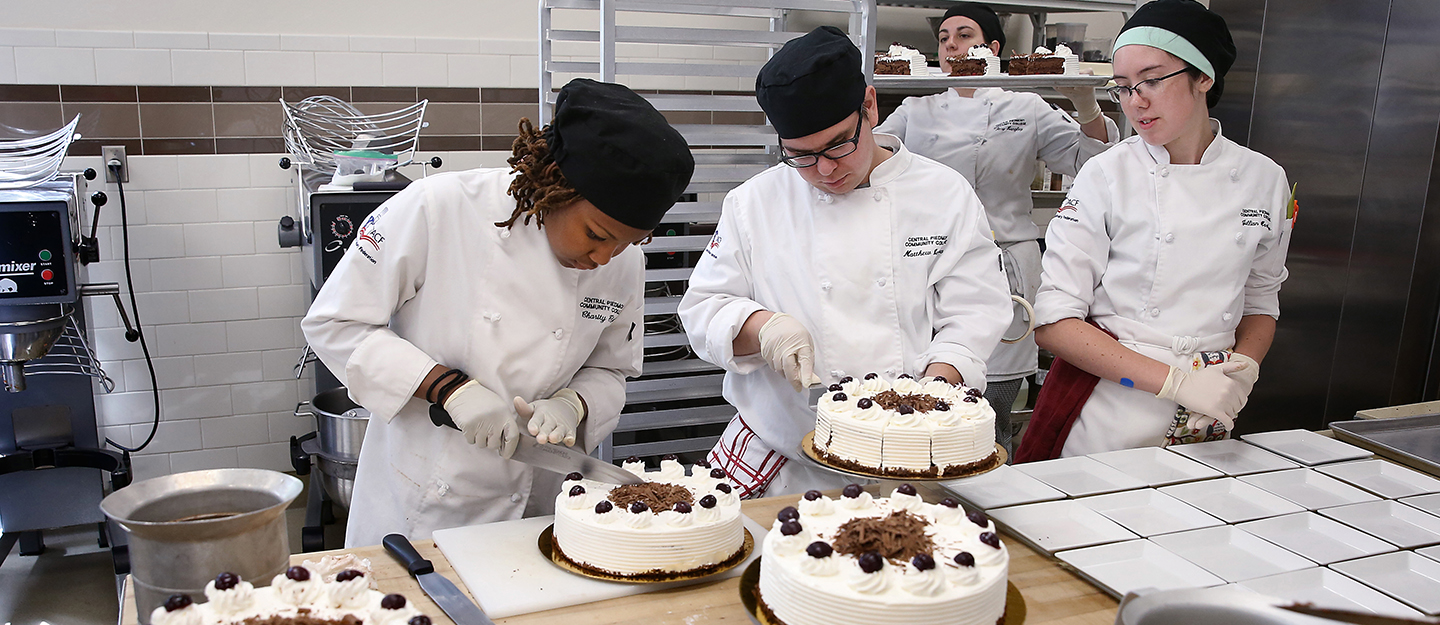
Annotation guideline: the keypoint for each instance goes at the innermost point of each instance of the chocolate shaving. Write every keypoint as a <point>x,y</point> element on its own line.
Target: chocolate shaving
<point>891,400</point>
<point>897,537</point>
<point>658,496</point>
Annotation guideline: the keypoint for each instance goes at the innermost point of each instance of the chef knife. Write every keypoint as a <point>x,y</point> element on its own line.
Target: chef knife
<point>455,604</point>
<point>1348,616</point>
<point>562,460</point>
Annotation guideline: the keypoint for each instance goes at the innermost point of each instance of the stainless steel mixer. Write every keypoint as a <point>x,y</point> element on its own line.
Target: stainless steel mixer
<point>49,441</point>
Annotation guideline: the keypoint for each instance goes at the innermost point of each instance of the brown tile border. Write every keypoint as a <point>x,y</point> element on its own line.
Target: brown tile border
<point>245,94</point>
<point>247,119</point>
<point>91,147</point>
<point>382,94</point>
<point>509,95</point>
<point>448,94</point>
<point>153,147</point>
<point>174,94</point>
<point>97,93</point>
<point>30,93</point>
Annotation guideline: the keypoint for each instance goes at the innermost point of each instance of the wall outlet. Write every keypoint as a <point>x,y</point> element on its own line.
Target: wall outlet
<point>111,152</point>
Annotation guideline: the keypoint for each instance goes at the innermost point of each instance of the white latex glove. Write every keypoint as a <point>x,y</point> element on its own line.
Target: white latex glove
<point>484,418</point>
<point>786,345</point>
<point>1087,109</point>
<point>1247,376</point>
<point>553,420</point>
<point>1210,391</point>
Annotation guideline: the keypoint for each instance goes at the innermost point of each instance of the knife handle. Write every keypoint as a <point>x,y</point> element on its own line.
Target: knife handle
<point>440,417</point>
<point>400,547</point>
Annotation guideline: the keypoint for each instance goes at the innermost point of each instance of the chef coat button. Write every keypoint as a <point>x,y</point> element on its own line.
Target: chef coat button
<point>516,498</point>
<point>441,487</point>
<point>933,138</point>
<point>1239,237</point>
<point>1154,312</point>
<point>835,373</point>
<point>890,372</point>
<point>1235,175</point>
<point>1226,316</point>
<point>825,286</point>
<point>879,196</point>
<point>1170,237</point>
<point>1164,172</point>
<point>983,140</point>
<point>880,282</point>
<point>505,234</point>
<point>559,334</point>
<point>945,105</point>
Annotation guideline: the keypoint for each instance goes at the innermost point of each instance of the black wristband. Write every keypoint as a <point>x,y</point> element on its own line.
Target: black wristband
<point>450,387</point>
<point>443,382</point>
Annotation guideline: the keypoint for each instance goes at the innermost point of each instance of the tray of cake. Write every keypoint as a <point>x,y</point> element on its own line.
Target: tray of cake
<point>906,68</point>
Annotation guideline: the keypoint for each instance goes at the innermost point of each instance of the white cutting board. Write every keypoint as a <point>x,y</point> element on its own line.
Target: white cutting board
<point>502,566</point>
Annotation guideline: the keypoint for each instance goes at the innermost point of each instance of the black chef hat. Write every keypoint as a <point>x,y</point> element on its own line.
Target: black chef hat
<point>1188,30</point>
<point>618,152</point>
<point>812,83</point>
<point>983,15</point>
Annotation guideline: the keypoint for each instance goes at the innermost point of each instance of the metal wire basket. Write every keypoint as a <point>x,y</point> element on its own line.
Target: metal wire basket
<point>319,126</point>
<point>30,161</point>
<point>71,355</point>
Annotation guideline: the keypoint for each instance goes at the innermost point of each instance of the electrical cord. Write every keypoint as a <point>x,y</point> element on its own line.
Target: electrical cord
<point>114,166</point>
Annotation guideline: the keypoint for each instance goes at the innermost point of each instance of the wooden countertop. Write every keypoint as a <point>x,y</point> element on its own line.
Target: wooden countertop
<point>1053,595</point>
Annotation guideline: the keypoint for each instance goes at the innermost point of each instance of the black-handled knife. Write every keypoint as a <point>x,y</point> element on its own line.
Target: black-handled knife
<point>455,604</point>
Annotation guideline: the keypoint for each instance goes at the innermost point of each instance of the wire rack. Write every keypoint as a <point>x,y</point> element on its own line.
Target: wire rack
<point>30,161</point>
<point>319,126</point>
<point>71,355</point>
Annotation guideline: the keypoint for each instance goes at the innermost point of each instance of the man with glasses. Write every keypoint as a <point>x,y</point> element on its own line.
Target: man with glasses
<point>852,256</point>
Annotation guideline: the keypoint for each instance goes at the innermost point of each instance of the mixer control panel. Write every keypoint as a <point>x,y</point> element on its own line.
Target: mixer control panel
<point>35,263</point>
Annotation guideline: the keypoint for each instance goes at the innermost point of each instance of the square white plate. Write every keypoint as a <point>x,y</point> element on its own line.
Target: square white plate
<point>1079,476</point>
<point>1056,525</point>
<point>1307,447</point>
<point>1156,466</point>
<point>1231,553</point>
<point>1317,538</point>
<point>1149,512</point>
<point>1428,503</point>
<point>1430,552</point>
<point>1231,500</point>
<point>1233,457</point>
<point>1327,589</point>
<point>1005,486</point>
<point>1385,479</point>
<point>1390,521</point>
<point>1122,567</point>
<point>1309,488</point>
<point>1402,575</point>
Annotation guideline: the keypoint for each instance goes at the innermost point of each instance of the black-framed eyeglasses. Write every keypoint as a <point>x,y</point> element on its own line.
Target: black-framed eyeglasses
<point>1120,93</point>
<point>834,152</point>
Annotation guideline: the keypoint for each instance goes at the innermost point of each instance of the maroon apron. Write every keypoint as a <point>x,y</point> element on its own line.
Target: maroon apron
<point>1063,395</point>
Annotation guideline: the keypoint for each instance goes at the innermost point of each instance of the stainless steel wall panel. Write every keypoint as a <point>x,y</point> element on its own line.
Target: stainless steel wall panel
<point>1387,226</point>
<point>1317,78</point>
<point>1246,19</point>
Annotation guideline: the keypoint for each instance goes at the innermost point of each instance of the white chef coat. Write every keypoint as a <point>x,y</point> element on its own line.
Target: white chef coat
<point>431,278</point>
<point>887,278</point>
<point>993,139</point>
<point>1168,258</point>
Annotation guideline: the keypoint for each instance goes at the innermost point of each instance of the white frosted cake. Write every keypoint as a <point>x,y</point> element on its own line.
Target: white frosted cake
<point>1072,60</point>
<point>297,597</point>
<point>673,524</point>
<point>864,561</point>
<point>901,60</point>
<point>906,428</point>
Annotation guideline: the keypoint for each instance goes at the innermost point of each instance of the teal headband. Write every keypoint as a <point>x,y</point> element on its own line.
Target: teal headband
<point>1156,37</point>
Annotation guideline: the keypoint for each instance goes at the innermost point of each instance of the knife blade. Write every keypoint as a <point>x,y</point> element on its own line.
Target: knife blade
<point>455,604</point>
<point>555,458</point>
<point>1348,616</point>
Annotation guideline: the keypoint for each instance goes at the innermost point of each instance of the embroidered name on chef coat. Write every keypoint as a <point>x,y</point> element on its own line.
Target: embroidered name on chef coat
<point>925,246</point>
<point>1010,125</point>
<point>370,236</point>
<point>1254,218</point>
<point>600,309</point>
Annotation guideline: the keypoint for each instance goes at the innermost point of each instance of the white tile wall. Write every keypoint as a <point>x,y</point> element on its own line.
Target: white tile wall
<point>132,67</point>
<point>348,68</point>
<point>207,67</point>
<point>7,64</point>
<point>421,70</point>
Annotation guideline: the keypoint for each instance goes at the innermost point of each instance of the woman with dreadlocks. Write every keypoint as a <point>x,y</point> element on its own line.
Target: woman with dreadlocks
<point>511,300</point>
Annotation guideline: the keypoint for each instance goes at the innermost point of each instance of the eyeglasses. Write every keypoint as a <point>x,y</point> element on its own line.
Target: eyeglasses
<point>834,152</point>
<point>1120,93</point>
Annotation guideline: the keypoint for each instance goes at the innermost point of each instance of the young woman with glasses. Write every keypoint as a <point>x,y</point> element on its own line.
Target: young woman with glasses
<point>993,137</point>
<point>1163,266</point>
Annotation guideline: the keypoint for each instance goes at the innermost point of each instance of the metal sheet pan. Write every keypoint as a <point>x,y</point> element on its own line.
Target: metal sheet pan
<point>931,84</point>
<point>1411,441</point>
